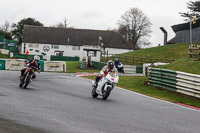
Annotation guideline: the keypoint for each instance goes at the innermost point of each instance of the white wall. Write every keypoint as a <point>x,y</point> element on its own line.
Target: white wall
<point>68,50</point>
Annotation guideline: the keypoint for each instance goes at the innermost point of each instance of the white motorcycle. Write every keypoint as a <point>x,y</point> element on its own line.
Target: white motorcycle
<point>105,85</point>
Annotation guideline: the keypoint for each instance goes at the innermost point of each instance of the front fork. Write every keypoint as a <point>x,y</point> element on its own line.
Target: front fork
<point>27,74</point>
<point>99,89</point>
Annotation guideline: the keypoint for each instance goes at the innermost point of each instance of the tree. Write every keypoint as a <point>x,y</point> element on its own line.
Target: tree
<point>17,31</point>
<point>4,30</point>
<point>7,35</point>
<point>134,26</point>
<point>194,9</point>
<point>5,27</point>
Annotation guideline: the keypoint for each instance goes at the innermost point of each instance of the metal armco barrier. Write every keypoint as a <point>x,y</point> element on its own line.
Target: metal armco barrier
<point>181,82</point>
<point>83,65</point>
<point>139,69</point>
<point>2,64</point>
<point>98,65</point>
<point>188,84</point>
<point>63,58</point>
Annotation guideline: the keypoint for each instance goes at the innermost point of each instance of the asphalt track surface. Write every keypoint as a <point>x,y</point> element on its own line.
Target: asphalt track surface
<point>62,103</point>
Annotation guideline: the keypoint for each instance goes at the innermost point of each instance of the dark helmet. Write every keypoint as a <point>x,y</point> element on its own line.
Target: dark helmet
<point>110,64</point>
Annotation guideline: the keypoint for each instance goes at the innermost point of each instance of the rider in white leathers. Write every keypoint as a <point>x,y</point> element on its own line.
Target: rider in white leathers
<point>110,67</point>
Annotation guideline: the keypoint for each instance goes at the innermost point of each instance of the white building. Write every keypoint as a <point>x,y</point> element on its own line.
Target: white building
<point>72,42</point>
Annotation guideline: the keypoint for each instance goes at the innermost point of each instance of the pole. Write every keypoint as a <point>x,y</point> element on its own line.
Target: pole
<point>190,32</point>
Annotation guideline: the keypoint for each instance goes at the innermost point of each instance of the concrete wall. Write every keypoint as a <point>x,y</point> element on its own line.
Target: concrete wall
<point>49,66</point>
<point>14,64</point>
<point>54,66</point>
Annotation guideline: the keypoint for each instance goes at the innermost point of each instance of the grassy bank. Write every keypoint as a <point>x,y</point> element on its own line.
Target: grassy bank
<point>174,51</point>
<point>184,64</point>
<point>136,84</point>
<point>167,53</point>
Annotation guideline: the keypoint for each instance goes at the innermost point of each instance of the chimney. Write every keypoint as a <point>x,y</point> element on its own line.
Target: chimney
<point>165,35</point>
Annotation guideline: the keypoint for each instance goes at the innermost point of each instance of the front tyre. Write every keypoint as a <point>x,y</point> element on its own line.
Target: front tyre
<point>94,94</point>
<point>20,83</point>
<point>26,82</point>
<point>106,93</point>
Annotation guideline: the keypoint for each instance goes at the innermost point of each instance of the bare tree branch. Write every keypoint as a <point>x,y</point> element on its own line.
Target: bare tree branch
<point>133,26</point>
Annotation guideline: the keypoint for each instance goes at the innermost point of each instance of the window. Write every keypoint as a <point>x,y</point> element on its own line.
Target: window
<point>92,53</point>
<point>31,45</point>
<point>59,53</point>
<point>75,47</point>
<point>55,46</point>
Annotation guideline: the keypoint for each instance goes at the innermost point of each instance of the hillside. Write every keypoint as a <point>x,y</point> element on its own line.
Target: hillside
<point>175,51</point>
<point>167,53</point>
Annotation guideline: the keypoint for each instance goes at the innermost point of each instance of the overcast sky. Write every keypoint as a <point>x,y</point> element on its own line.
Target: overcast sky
<point>96,14</point>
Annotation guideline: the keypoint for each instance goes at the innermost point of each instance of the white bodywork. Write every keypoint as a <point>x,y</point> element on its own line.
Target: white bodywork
<point>110,78</point>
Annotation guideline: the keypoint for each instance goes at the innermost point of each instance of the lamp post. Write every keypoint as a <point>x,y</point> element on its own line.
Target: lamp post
<point>99,40</point>
<point>192,21</point>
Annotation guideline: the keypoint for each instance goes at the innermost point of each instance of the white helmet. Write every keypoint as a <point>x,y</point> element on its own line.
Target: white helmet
<point>36,58</point>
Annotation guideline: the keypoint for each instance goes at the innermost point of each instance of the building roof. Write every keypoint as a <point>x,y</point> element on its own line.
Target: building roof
<point>172,41</point>
<point>71,36</point>
<point>185,26</point>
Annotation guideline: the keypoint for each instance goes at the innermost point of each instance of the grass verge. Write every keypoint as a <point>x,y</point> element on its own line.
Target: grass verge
<point>74,66</point>
<point>137,84</point>
<point>4,56</point>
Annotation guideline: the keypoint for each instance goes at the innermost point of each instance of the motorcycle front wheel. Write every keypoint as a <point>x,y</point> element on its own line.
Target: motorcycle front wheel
<point>106,93</point>
<point>26,82</point>
<point>94,94</point>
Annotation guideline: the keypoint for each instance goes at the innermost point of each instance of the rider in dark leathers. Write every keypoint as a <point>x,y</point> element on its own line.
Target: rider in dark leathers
<point>34,62</point>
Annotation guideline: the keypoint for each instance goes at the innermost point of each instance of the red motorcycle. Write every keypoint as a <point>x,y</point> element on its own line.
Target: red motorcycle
<point>27,77</point>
